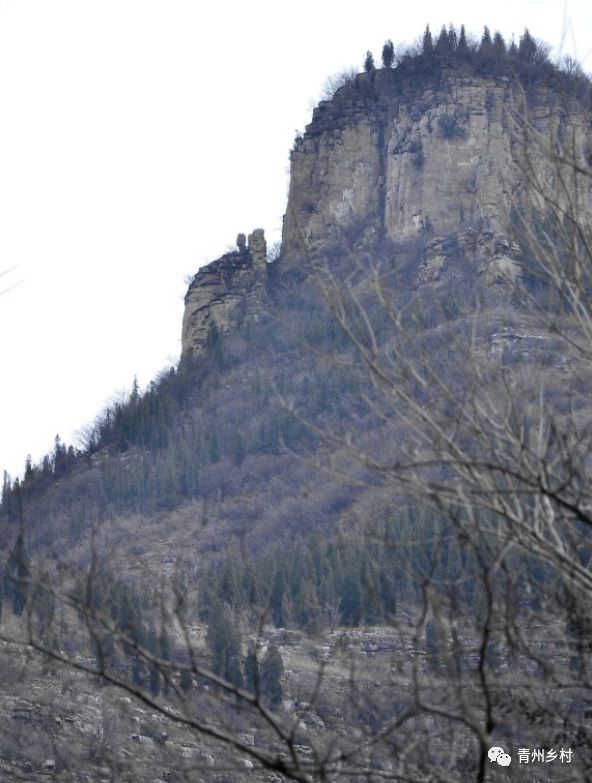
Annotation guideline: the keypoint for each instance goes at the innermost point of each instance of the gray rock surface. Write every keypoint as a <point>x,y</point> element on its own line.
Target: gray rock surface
<point>225,289</point>
<point>401,157</point>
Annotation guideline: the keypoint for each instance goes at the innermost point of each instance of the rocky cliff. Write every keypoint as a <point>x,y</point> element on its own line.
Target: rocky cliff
<point>435,153</point>
<point>221,292</point>
<point>396,155</point>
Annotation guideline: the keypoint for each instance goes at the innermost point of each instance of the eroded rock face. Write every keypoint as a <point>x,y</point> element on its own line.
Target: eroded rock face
<point>395,157</point>
<point>439,156</point>
<point>492,256</point>
<point>232,285</point>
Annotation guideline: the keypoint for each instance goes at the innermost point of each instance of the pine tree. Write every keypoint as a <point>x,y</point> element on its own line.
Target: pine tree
<point>452,39</point>
<point>462,46</point>
<point>277,595</point>
<point>135,393</point>
<point>307,605</point>
<point>224,644</point>
<point>351,596</point>
<point>59,457</point>
<point>108,650</point>
<point>369,62</point>
<point>46,468</point>
<point>138,672</point>
<point>186,680</point>
<point>17,572</point>
<point>28,469</point>
<point>214,446</point>
<point>272,671</point>
<point>154,680</point>
<point>43,603</point>
<point>127,613</point>
<point>499,45</point>
<point>442,44</point>
<point>237,447</point>
<point>486,43</point>
<point>251,667</point>
<point>8,498</point>
<point>6,484</point>
<point>527,48</point>
<point>388,54</point>
<point>228,589</point>
<point>428,44</point>
<point>167,486</point>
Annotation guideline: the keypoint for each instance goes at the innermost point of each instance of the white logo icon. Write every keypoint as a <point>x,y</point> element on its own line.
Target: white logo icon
<point>498,754</point>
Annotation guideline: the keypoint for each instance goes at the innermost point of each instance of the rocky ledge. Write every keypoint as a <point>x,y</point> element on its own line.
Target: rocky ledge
<point>231,287</point>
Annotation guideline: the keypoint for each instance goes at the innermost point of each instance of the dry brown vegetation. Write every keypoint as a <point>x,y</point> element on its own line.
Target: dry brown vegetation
<point>438,447</point>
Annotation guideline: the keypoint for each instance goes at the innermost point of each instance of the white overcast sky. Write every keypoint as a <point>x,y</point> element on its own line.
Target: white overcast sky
<point>137,138</point>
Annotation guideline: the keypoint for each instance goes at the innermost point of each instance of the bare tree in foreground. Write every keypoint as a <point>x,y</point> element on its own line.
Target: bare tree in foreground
<point>491,419</point>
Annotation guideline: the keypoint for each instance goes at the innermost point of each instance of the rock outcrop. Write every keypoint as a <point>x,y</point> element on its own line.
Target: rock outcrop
<point>396,154</point>
<point>229,288</point>
<point>395,157</point>
<point>492,256</point>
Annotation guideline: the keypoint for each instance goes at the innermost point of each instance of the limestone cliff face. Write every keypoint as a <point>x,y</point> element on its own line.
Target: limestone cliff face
<point>229,287</point>
<point>393,156</point>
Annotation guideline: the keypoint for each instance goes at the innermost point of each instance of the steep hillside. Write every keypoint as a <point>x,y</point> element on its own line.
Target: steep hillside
<point>317,541</point>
